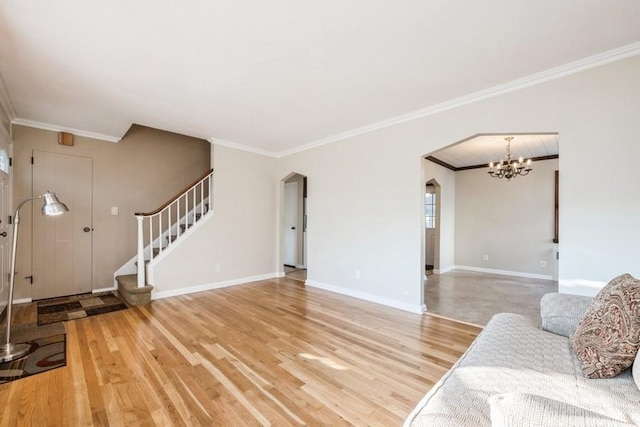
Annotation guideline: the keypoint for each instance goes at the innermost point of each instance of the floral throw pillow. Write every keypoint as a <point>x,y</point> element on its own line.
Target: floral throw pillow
<point>608,336</point>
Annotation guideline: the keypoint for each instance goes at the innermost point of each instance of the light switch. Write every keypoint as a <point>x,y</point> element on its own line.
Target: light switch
<point>114,210</point>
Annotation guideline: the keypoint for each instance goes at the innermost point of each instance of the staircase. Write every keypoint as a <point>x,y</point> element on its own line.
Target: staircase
<point>159,233</point>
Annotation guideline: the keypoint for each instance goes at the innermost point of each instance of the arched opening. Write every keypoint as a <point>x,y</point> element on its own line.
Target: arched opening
<point>432,226</point>
<point>494,244</point>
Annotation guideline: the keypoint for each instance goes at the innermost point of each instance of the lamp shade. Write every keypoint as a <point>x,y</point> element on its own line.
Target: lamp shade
<point>52,206</point>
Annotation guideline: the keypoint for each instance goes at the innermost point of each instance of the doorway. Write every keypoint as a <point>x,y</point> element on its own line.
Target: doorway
<point>432,244</point>
<point>294,232</point>
<point>61,255</point>
<point>5,229</point>
<point>478,211</point>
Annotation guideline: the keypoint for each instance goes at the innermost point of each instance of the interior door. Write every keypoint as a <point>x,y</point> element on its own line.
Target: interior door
<point>290,222</point>
<point>5,237</point>
<point>62,244</point>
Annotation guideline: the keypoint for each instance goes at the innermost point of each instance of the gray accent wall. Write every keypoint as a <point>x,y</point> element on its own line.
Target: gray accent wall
<point>139,173</point>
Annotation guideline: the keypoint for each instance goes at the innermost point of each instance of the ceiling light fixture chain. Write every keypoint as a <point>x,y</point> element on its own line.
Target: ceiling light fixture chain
<point>509,168</point>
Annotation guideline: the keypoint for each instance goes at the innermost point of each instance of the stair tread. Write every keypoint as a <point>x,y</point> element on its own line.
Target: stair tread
<point>130,283</point>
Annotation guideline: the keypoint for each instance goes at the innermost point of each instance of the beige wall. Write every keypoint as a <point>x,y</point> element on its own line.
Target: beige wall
<point>139,173</point>
<point>240,237</point>
<point>511,222</point>
<point>366,192</point>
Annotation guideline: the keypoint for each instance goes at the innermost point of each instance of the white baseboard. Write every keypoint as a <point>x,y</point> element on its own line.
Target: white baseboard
<point>281,274</point>
<point>444,270</point>
<point>208,286</point>
<point>418,309</point>
<point>301,266</point>
<point>22,300</point>
<point>113,288</point>
<point>504,272</point>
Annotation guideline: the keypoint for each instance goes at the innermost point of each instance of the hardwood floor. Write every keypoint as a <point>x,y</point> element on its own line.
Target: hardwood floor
<point>267,353</point>
<point>299,274</point>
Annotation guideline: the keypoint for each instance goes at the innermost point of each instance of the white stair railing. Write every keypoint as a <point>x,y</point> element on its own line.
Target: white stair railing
<point>172,220</point>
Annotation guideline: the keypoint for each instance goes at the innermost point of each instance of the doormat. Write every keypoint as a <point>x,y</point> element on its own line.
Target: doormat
<point>77,306</point>
<point>48,351</point>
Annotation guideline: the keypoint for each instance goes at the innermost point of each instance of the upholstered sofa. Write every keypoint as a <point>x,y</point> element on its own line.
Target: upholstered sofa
<point>516,374</point>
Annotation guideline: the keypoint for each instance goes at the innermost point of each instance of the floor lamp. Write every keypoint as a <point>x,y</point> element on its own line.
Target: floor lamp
<point>51,206</point>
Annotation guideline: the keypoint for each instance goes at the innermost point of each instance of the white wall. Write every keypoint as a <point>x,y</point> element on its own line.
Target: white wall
<point>358,219</point>
<point>366,192</point>
<point>510,221</point>
<point>241,235</point>
<point>445,258</point>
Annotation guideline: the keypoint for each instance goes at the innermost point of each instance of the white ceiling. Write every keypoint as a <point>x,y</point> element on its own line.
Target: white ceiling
<point>482,149</point>
<point>280,74</point>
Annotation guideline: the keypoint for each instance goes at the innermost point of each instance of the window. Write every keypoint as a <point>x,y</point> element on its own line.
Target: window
<point>430,210</point>
<point>4,162</point>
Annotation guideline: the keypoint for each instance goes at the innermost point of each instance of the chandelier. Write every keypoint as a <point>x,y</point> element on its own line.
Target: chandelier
<point>509,168</point>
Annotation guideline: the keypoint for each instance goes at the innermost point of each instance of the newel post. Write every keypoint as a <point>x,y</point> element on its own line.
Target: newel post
<point>141,279</point>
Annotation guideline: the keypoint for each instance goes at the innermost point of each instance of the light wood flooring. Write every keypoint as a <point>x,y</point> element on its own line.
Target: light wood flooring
<point>299,274</point>
<point>475,297</point>
<point>268,353</point>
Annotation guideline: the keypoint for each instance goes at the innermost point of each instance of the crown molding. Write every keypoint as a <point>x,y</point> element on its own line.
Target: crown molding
<point>56,128</point>
<point>242,147</point>
<point>574,67</point>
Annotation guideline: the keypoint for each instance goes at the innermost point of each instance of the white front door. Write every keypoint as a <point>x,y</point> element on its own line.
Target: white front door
<point>290,222</point>
<point>5,238</point>
<point>62,244</point>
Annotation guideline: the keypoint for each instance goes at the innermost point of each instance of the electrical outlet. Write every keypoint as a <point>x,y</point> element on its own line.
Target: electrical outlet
<point>543,264</point>
<point>114,210</point>
<point>357,274</point>
<point>218,268</point>
<point>485,257</point>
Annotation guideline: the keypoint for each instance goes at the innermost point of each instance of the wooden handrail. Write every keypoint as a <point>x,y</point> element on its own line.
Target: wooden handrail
<point>174,198</point>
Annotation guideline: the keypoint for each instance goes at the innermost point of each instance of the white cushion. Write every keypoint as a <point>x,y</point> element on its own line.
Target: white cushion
<point>530,410</point>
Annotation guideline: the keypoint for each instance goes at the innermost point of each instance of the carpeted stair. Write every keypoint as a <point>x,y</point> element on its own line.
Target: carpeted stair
<point>128,283</point>
<point>129,290</point>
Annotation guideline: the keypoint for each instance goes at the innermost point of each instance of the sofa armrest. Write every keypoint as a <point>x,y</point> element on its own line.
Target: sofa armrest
<point>561,313</point>
<point>524,410</point>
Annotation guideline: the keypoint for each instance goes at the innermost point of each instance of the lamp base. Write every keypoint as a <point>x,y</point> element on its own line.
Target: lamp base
<point>9,352</point>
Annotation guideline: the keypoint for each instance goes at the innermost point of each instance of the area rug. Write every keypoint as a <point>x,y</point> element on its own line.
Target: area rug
<point>77,306</point>
<point>48,351</point>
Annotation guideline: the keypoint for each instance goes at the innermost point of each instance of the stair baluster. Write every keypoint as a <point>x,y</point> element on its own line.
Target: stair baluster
<point>194,200</point>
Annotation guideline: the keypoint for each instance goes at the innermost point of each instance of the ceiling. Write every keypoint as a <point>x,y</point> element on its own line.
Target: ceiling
<point>279,75</point>
<point>483,149</point>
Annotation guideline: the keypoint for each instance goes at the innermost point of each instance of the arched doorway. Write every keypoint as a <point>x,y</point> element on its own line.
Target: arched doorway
<point>294,227</point>
<point>431,226</point>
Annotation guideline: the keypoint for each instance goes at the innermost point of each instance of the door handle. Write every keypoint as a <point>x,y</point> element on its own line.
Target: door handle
<point>293,228</point>
<point>87,229</point>
<point>3,234</point>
